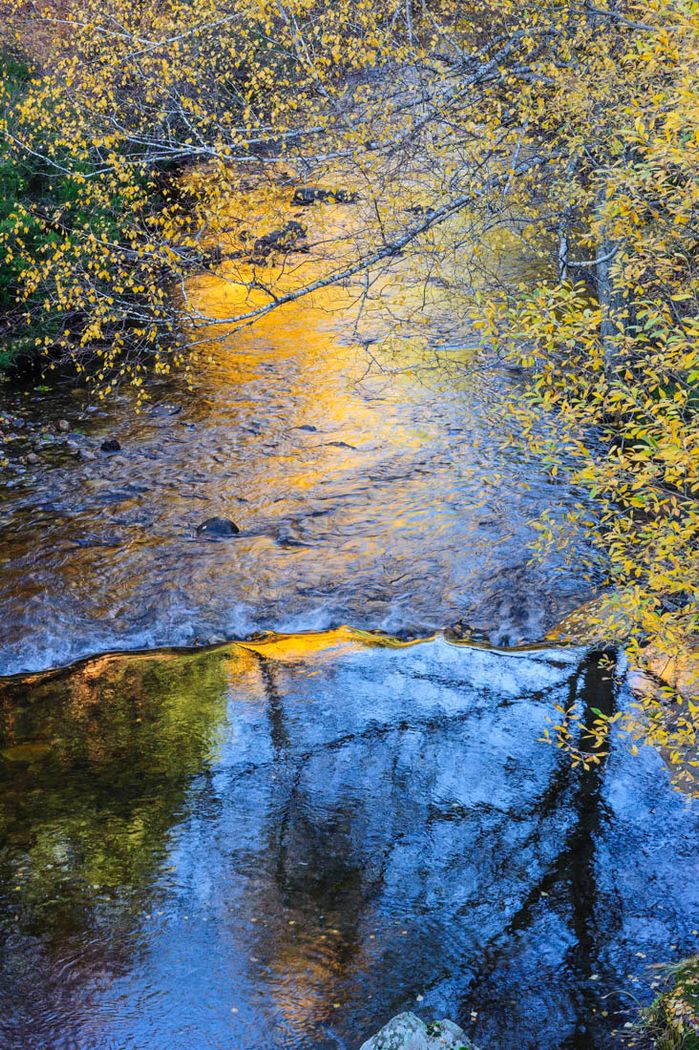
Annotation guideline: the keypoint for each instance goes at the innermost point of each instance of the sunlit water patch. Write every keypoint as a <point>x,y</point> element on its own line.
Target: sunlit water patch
<point>284,843</point>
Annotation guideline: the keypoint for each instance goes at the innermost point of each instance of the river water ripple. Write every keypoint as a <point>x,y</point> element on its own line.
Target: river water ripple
<point>381,501</point>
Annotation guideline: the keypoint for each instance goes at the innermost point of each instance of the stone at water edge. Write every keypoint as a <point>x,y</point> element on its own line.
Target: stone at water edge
<point>408,1032</point>
<point>217,528</point>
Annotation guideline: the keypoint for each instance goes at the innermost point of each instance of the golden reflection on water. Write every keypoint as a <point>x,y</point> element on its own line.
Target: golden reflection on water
<point>361,471</point>
<point>339,402</point>
<point>402,305</point>
<point>290,648</point>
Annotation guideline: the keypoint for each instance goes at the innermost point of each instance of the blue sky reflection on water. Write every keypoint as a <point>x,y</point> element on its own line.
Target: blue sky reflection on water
<point>362,830</point>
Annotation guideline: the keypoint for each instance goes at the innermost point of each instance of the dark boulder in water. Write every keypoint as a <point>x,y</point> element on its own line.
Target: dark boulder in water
<point>290,238</point>
<point>305,195</point>
<point>111,445</point>
<point>420,209</point>
<point>217,528</point>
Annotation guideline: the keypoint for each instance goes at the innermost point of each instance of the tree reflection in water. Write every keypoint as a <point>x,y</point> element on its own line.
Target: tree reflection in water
<point>283,843</point>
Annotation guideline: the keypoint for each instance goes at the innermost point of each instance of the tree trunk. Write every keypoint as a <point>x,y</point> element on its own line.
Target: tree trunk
<point>611,299</point>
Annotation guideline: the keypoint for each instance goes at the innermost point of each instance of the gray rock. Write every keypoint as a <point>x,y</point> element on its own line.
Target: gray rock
<point>32,458</point>
<point>408,1032</point>
<point>217,528</point>
<point>63,425</point>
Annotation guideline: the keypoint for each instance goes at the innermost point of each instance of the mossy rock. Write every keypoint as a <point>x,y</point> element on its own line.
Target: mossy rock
<point>673,1019</point>
<point>408,1032</point>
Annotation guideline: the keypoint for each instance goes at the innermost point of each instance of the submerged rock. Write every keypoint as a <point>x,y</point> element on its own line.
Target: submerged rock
<point>312,194</point>
<point>110,445</point>
<point>217,528</point>
<point>408,1032</point>
<point>290,238</point>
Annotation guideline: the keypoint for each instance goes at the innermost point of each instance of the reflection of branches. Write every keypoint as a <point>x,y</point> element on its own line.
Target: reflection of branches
<point>575,865</point>
<point>275,707</point>
<point>387,251</point>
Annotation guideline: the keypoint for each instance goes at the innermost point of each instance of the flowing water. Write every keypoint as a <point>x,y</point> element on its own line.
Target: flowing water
<point>365,497</point>
<point>280,843</point>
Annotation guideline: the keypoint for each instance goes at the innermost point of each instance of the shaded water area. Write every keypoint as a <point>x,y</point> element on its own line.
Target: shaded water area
<point>283,843</point>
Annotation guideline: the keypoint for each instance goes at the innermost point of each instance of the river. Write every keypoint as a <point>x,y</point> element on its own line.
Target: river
<point>284,840</point>
<point>378,497</point>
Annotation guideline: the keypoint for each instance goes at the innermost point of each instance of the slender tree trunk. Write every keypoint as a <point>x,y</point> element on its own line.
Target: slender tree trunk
<point>564,228</point>
<point>610,297</point>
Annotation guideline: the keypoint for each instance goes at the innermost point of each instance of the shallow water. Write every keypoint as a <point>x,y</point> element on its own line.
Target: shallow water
<point>377,498</point>
<point>284,844</point>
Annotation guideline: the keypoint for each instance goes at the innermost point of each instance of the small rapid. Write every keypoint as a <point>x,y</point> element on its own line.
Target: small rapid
<point>379,498</point>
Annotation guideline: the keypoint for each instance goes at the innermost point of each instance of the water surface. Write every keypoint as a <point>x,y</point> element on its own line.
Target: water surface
<point>283,844</point>
<point>370,488</point>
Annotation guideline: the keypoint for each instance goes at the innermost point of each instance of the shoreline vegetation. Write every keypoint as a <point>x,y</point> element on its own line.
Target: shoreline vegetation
<point>574,131</point>
<point>672,1019</point>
